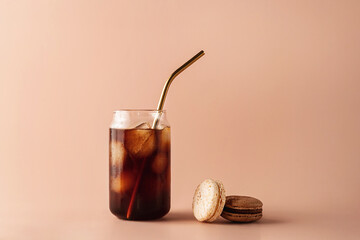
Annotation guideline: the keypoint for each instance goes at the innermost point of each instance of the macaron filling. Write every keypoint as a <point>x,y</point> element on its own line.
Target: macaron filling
<point>242,211</point>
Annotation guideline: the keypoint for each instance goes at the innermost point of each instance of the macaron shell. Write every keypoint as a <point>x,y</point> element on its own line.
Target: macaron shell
<point>243,202</point>
<point>234,217</point>
<point>221,202</point>
<point>206,199</point>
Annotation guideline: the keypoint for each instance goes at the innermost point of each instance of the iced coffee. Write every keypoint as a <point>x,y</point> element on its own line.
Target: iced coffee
<point>139,168</point>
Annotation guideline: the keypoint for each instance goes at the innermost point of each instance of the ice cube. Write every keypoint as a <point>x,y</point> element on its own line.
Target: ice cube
<point>115,184</point>
<point>160,163</point>
<point>122,183</point>
<point>117,153</point>
<point>114,170</point>
<point>143,126</point>
<point>140,142</point>
<point>160,126</point>
<point>165,139</point>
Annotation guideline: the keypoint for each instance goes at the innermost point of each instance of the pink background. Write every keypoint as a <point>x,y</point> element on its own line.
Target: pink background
<point>272,110</point>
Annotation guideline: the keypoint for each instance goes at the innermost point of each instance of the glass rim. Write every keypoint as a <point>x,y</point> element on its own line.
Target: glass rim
<point>140,110</point>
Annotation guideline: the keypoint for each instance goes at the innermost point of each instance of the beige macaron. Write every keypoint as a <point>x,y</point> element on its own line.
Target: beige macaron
<point>209,200</point>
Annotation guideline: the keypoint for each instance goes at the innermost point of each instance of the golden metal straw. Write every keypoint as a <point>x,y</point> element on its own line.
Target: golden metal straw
<point>169,81</point>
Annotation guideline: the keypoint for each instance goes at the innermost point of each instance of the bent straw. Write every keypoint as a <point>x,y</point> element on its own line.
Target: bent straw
<point>169,81</point>
<point>160,107</point>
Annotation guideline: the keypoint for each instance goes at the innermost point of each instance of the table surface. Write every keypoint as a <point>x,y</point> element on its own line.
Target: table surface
<point>178,224</point>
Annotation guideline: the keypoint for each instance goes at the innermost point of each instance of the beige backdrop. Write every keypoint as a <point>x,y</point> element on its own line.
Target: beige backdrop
<point>272,109</point>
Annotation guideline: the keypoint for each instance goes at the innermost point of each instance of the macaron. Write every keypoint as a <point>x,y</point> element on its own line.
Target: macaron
<point>242,209</point>
<point>209,200</point>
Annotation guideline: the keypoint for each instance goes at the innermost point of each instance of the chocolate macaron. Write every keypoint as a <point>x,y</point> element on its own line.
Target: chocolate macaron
<point>242,209</point>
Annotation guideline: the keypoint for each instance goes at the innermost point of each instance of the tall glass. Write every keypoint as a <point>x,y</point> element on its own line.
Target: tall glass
<point>139,165</point>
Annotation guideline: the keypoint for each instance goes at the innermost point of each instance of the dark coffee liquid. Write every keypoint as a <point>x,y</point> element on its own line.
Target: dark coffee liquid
<point>139,173</point>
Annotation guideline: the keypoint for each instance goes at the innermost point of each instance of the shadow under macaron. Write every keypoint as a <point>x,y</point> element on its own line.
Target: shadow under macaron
<point>264,220</point>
